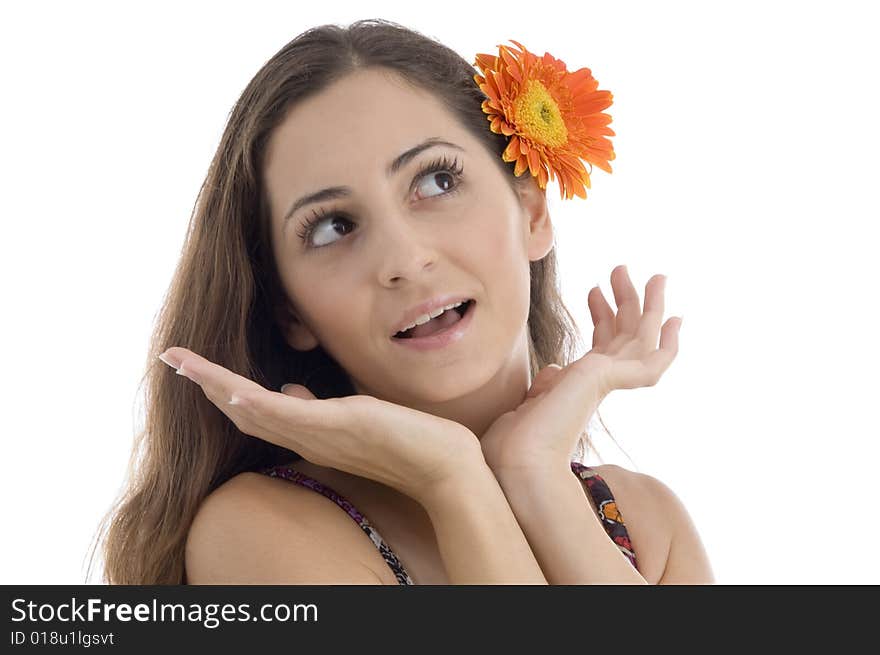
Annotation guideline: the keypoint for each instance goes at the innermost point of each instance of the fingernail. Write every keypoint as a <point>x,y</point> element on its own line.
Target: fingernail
<point>188,374</point>
<point>284,386</point>
<point>168,359</point>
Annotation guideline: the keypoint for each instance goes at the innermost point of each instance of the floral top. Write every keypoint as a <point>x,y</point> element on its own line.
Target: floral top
<point>610,516</point>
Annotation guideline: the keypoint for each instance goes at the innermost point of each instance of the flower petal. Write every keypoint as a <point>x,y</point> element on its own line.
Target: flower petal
<point>512,149</point>
<point>523,91</point>
<point>593,102</point>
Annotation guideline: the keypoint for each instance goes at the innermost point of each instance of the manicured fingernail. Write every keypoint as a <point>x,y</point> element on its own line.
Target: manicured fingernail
<point>168,359</point>
<point>188,374</point>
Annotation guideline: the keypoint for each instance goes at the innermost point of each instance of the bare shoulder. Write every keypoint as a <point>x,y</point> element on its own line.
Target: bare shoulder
<point>633,491</point>
<point>639,508</point>
<point>255,529</point>
<point>643,489</point>
<point>656,516</point>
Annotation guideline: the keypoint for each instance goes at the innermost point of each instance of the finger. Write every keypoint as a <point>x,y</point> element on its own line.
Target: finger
<point>544,380</point>
<point>629,310</point>
<point>252,408</point>
<point>308,413</point>
<point>216,381</point>
<point>603,319</point>
<point>233,394</point>
<point>652,317</point>
<point>298,422</point>
<point>297,391</point>
<point>646,372</point>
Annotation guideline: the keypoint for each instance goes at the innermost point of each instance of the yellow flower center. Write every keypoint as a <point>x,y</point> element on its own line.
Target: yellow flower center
<point>538,116</point>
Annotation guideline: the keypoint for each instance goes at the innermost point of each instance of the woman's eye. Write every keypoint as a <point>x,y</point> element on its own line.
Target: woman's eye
<point>442,175</point>
<point>315,235</point>
<point>441,179</point>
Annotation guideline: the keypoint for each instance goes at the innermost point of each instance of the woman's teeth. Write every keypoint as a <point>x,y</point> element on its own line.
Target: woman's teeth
<point>459,307</point>
<point>424,318</point>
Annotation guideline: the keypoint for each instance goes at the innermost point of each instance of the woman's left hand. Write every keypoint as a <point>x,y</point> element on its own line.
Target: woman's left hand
<point>544,430</point>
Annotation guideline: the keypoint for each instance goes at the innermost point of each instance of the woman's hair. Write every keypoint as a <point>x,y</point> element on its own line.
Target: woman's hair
<point>226,301</point>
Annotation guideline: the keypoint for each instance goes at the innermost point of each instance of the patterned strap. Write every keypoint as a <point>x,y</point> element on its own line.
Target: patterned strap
<point>609,514</point>
<point>390,557</point>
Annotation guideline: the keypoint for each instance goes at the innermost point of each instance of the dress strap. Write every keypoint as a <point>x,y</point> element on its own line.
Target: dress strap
<point>611,518</point>
<point>300,478</point>
<point>609,514</point>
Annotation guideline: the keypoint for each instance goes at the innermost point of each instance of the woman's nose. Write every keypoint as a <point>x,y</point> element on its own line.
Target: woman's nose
<point>404,248</point>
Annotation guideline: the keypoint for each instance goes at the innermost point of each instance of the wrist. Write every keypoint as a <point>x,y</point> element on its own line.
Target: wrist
<point>532,470</point>
<point>528,464</point>
<point>468,474</point>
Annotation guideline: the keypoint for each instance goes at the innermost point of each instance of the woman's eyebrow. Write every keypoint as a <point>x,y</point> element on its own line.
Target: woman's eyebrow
<point>331,193</point>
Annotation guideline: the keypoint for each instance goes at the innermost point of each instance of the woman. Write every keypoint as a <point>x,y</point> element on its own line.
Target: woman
<point>357,192</point>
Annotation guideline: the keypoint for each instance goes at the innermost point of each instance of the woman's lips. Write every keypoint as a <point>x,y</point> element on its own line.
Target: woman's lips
<point>446,337</point>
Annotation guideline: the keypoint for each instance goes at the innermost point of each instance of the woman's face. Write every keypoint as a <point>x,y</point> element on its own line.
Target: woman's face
<point>400,238</point>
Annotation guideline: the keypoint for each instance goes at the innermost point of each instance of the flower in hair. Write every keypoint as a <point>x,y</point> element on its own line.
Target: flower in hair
<point>551,115</point>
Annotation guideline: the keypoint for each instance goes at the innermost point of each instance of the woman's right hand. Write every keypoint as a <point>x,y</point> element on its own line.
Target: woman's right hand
<point>408,450</point>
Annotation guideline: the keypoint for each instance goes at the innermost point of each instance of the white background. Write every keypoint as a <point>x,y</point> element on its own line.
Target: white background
<point>746,171</point>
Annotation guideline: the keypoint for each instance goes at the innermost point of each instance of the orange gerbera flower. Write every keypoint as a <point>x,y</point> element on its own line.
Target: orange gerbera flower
<point>551,115</point>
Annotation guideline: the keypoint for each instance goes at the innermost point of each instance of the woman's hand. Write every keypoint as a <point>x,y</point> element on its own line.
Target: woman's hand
<point>544,430</point>
<point>403,448</point>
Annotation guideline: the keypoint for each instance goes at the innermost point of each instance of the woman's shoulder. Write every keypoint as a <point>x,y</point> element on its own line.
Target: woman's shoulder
<point>656,518</point>
<point>643,488</point>
<point>641,501</point>
<point>255,529</point>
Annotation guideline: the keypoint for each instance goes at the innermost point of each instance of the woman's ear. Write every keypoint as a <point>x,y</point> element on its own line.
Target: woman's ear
<point>538,229</point>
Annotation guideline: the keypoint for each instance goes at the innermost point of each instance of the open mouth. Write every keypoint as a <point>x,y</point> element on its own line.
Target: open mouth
<point>438,323</point>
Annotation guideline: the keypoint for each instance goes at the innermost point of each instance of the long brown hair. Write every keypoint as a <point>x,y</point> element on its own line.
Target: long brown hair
<point>226,302</point>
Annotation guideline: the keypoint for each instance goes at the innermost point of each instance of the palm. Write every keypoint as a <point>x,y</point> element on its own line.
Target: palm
<point>545,427</point>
